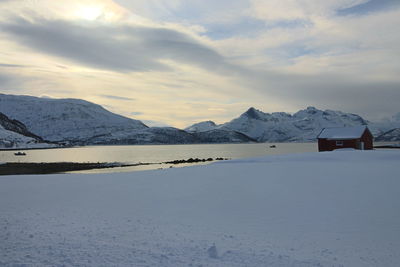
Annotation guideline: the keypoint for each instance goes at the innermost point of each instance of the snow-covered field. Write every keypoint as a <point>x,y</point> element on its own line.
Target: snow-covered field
<point>316,209</point>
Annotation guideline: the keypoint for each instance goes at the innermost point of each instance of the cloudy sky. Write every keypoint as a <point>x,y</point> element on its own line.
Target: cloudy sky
<point>177,62</point>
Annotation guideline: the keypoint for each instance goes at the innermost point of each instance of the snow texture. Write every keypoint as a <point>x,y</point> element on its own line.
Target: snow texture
<point>315,209</point>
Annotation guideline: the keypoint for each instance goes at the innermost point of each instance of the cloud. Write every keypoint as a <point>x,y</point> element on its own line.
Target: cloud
<point>278,55</point>
<point>334,91</point>
<point>11,82</point>
<point>117,47</point>
<point>3,65</point>
<point>193,11</point>
<point>4,79</point>
<point>115,97</point>
<point>245,26</point>
<point>369,6</point>
<point>281,10</point>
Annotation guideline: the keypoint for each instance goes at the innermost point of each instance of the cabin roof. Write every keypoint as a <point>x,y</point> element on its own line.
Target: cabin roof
<point>342,133</point>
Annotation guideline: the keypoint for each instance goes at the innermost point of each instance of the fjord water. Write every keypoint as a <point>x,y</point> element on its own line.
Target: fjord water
<point>155,153</point>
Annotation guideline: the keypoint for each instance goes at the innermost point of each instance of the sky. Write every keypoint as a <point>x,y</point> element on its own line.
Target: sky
<point>178,62</point>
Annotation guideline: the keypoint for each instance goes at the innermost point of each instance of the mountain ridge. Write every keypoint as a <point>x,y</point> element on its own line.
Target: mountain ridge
<point>65,119</point>
<point>301,126</point>
<point>80,122</point>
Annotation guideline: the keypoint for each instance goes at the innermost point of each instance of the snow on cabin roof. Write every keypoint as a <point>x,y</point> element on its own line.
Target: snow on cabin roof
<point>342,132</point>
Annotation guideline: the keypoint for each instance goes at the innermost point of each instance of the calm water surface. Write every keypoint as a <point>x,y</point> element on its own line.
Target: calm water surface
<point>154,153</point>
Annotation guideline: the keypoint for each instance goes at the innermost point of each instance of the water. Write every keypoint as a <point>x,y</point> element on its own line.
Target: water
<point>154,154</point>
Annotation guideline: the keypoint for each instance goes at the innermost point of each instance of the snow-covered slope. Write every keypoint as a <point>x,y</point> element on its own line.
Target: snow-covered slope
<point>14,134</point>
<point>16,126</point>
<point>389,136</point>
<point>65,119</point>
<point>381,127</point>
<point>201,127</point>
<point>10,139</point>
<point>209,132</point>
<point>222,136</point>
<point>154,135</point>
<point>169,135</point>
<point>284,127</point>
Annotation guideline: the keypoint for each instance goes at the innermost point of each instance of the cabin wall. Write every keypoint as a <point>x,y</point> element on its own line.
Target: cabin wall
<point>329,145</point>
<point>367,138</point>
<point>323,145</point>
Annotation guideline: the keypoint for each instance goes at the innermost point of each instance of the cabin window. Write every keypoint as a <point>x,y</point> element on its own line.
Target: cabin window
<point>339,143</point>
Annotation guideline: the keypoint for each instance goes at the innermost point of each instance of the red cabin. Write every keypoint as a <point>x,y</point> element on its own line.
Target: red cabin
<point>358,137</point>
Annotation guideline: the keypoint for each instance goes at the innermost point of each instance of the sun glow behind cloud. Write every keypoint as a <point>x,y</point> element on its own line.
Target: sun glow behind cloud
<point>102,10</point>
<point>89,12</point>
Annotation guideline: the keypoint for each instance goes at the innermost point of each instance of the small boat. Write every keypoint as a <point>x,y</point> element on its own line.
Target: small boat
<point>20,154</point>
<point>272,146</point>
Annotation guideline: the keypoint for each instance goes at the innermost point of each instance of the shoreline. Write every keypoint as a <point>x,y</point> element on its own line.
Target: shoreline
<point>22,168</point>
<point>31,168</point>
<point>387,146</point>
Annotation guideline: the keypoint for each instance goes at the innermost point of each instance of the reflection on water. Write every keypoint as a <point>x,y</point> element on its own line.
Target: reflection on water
<point>154,153</point>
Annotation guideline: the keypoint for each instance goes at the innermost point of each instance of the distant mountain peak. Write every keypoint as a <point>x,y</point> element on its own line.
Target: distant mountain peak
<point>201,127</point>
<point>304,125</point>
<point>253,113</point>
<point>389,136</point>
<point>396,117</point>
<point>312,109</point>
<point>211,123</point>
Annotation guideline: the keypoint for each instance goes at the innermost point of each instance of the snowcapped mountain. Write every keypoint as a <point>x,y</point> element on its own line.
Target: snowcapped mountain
<point>154,135</point>
<point>17,127</point>
<point>389,136</point>
<point>381,127</point>
<point>284,127</point>
<point>14,134</point>
<point>65,119</point>
<point>169,135</point>
<point>201,127</point>
<point>222,136</point>
<point>387,130</point>
<point>81,122</point>
<point>10,139</point>
<point>209,132</point>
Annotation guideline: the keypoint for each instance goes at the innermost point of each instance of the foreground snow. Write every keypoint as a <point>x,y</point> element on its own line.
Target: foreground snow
<point>315,209</point>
